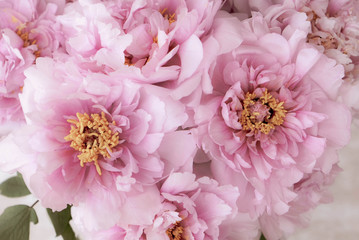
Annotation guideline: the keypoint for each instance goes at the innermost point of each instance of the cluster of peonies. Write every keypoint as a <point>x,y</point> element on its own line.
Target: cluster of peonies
<point>178,119</point>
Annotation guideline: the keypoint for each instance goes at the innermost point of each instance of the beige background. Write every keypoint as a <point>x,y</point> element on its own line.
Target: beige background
<point>336,221</point>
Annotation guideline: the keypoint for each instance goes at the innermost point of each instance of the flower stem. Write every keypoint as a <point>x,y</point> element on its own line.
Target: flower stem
<point>34,204</point>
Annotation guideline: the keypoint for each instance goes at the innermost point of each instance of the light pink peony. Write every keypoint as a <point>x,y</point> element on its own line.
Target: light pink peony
<point>345,14</point>
<point>334,26</point>
<point>190,209</point>
<point>334,30</point>
<point>151,41</point>
<point>242,226</point>
<point>272,119</point>
<point>28,31</point>
<point>93,138</point>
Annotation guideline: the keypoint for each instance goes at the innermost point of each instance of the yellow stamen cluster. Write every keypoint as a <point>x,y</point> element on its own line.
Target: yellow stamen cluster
<point>169,17</point>
<point>92,136</point>
<point>24,35</point>
<point>274,117</point>
<point>175,232</point>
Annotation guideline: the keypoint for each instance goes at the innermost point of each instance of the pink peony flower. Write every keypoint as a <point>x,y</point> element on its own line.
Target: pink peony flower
<point>334,30</point>
<point>92,137</point>
<point>242,226</point>
<point>190,209</point>
<point>28,31</point>
<point>335,26</point>
<point>345,14</point>
<point>151,41</point>
<point>272,119</point>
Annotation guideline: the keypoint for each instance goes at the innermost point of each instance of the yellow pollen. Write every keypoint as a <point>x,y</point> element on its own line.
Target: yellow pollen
<point>27,41</point>
<point>169,17</point>
<point>271,113</point>
<point>92,136</point>
<point>175,232</point>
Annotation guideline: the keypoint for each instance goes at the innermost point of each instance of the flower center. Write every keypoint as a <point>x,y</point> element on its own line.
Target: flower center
<point>169,17</point>
<point>328,41</point>
<point>261,114</point>
<point>24,35</point>
<point>92,136</point>
<point>175,232</point>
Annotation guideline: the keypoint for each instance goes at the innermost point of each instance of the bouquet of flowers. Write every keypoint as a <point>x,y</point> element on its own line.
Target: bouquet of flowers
<point>175,119</point>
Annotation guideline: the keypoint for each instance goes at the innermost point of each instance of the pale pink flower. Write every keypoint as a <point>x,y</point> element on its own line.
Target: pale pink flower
<point>242,226</point>
<point>272,118</point>
<point>345,14</point>
<point>334,30</point>
<point>334,26</point>
<point>190,209</point>
<point>95,36</point>
<point>27,31</point>
<point>92,137</point>
<point>151,41</point>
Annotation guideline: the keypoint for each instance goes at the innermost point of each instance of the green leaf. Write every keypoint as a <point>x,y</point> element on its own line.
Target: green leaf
<point>262,237</point>
<point>33,216</point>
<point>15,222</point>
<point>60,221</point>
<point>68,233</point>
<point>14,187</point>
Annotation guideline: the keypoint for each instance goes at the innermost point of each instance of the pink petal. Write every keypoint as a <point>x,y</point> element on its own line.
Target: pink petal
<point>179,182</point>
<point>191,54</point>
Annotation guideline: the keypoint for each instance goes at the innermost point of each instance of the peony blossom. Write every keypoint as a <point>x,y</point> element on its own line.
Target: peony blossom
<point>272,119</point>
<point>190,209</point>
<point>178,119</point>
<point>92,138</point>
<point>28,31</point>
<point>334,30</point>
<point>334,26</point>
<point>151,41</point>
